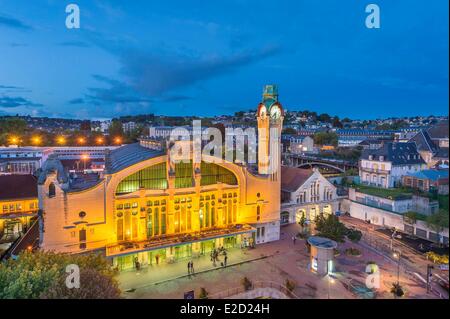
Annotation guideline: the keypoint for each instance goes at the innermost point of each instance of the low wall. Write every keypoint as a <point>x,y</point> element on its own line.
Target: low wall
<point>260,292</point>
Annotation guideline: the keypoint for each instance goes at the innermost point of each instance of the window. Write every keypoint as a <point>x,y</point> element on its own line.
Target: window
<point>51,190</point>
<point>153,177</point>
<point>82,238</point>
<point>183,175</point>
<point>258,213</point>
<point>213,174</point>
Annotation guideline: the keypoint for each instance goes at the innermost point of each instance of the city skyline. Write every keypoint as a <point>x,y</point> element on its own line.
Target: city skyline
<point>214,61</point>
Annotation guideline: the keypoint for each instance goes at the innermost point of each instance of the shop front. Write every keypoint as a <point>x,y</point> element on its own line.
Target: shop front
<point>177,253</point>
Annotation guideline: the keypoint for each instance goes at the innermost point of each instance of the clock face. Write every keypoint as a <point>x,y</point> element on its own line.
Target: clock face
<point>263,111</point>
<point>275,112</point>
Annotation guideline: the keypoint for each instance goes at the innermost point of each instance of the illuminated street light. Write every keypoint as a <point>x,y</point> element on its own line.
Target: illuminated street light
<point>61,140</point>
<point>84,158</point>
<point>398,256</point>
<point>81,140</point>
<point>14,140</point>
<point>118,140</point>
<point>99,140</point>
<point>36,140</point>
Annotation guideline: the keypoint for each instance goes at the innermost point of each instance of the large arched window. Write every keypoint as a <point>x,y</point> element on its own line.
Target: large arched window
<point>153,177</point>
<point>213,173</point>
<point>183,175</point>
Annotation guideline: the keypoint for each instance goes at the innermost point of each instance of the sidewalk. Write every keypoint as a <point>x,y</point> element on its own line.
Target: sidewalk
<point>157,274</point>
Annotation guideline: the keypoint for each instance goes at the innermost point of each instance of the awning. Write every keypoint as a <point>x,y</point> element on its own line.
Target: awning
<point>121,249</point>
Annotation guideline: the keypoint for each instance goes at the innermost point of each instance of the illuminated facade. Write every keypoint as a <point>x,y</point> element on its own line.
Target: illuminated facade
<point>147,208</point>
<point>18,205</point>
<point>306,194</point>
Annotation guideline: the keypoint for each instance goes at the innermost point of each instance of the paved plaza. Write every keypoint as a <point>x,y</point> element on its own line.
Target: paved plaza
<point>271,263</point>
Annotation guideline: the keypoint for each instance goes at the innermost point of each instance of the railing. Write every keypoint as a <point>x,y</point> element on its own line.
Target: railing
<point>259,284</point>
<point>375,170</point>
<point>371,203</point>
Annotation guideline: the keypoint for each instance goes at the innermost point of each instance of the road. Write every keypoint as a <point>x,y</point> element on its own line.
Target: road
<point>412,260</point>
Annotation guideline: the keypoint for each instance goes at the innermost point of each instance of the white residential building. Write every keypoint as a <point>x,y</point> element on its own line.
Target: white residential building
<point>390,213</point>
<point>385,167</point>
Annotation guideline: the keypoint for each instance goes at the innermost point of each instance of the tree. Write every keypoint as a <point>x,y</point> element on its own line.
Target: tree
<point>354,235</point>
<point>326,138</point>
<point>330,227</point>
<point>289,131</point>
<point>34,274</point>
<point>13,125</point>
<point>410,217</point>
<point>93,285</point>
<point>324,117</point>
<point>337,123</point>
<point>116,128</point>
<point>438,221</point>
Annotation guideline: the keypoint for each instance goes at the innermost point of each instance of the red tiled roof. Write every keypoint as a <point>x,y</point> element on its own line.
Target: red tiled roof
<point>292,178</point>
<point>18,186</point>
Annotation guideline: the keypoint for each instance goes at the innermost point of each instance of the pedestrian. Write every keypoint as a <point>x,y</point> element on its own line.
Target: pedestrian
<point>189,267</point>
<point>192,267</point>
<point>157,259</point>
<point>225,260</point>
<point>294,239</point>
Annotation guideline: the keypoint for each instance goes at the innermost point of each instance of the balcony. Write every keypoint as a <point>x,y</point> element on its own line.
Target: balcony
<point>374,170</point>
<point>165,241</point>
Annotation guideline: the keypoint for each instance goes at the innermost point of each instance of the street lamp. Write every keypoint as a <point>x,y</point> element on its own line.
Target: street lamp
<point>14,140</point>
<point>398,255</point>
<point>99,140</point>
<point>81,140</point>
<point>61,140</point>
<point>392,237</point>
<point>36,140</point>
<point>118,140</point>
<point>85,158</point>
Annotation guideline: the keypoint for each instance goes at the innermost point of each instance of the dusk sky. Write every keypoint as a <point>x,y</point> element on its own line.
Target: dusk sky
<point>213,57</point>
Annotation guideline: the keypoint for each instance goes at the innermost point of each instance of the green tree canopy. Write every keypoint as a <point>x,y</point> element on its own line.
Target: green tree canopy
<point>116,128</point>
<point>330,227</point>
<point>33,275</point>
<point>438,221</point>
<point>326,138</point>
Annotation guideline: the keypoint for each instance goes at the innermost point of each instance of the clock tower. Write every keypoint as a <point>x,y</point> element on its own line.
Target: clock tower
<point>270,117</point>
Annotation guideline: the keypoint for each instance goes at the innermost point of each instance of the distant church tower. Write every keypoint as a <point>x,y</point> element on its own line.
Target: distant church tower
<point>270,117</point>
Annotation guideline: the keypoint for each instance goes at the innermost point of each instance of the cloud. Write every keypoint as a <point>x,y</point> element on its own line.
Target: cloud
<point>176,98</point>
<point>155,75</point>
<point>13,23</point>
<point>13,89</point>
<point>116,92</point>
<point>10,87</point>
<point>78,44</point>
<point>17,45</point>
<point>13,102</point>
<point>76,101</point>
